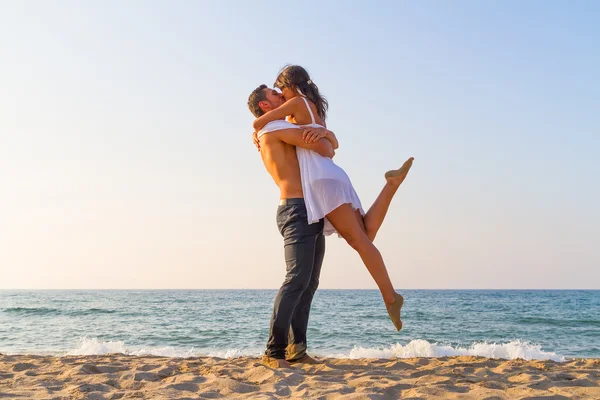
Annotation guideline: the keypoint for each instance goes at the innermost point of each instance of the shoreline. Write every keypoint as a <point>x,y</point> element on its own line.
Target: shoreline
<point>115,376</point>
<point>412,349</point>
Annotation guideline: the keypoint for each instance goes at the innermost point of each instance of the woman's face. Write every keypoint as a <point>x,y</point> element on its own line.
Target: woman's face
<point>288,93</point>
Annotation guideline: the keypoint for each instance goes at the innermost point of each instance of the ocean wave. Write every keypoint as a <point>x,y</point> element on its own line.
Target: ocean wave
<point>233,353</point>
<point>422,348</point>
<point>31,310</point>
<point>415,348</point>
<point>558,322</point>
<point>92,346</point>
<point>56,311</point>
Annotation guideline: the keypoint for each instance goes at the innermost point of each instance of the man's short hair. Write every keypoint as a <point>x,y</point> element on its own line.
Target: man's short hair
<point>259,94</point>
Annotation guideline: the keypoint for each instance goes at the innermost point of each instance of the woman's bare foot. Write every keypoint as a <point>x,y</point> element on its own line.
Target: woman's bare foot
<point>394,311</point>
<point>397,176</point>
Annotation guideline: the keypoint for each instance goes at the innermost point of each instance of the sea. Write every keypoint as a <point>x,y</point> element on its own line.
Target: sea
<point>530,324</point>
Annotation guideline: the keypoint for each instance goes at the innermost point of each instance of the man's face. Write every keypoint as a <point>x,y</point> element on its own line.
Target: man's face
<point>273,100</point>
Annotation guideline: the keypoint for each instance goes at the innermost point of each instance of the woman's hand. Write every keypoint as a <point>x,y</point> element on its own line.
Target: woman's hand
<point>255,140</point>
<point>311,135</point>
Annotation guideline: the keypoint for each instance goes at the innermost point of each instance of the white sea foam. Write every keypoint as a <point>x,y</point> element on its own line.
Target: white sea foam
<point>232,353</point>
<point>92,346</point>
<point>415,348</point>
<point>422,348</point>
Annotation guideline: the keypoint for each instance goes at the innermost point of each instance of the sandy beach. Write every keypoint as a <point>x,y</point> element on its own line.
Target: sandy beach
<point>119,376</point>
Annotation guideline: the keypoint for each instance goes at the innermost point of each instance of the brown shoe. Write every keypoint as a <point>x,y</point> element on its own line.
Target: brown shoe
<point>295,351</point>
<point>305,359</point>
<point>274,362</point>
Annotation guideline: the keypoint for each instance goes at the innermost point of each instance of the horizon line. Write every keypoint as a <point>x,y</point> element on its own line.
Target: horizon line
<point>257,289</point>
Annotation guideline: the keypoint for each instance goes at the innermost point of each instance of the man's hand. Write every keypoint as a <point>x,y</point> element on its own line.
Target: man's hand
<point>255,140</point>
<point>293,136</point>
<point>311,135</point>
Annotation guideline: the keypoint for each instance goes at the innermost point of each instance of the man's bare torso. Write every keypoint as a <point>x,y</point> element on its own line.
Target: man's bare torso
<point>282,164</point>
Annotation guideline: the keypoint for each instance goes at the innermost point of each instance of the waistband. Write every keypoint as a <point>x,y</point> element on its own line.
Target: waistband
<point>291,202</point>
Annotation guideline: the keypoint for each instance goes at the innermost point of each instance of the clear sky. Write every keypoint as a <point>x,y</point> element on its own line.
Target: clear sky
<point>126,158</point>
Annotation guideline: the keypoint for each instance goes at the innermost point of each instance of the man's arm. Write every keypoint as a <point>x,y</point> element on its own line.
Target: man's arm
<point>294,137</point>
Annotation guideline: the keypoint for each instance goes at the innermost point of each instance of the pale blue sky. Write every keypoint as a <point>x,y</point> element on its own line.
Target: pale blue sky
<point>126,159</point>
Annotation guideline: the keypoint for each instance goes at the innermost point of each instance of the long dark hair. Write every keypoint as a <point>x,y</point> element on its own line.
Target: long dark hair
<point>296,78</point>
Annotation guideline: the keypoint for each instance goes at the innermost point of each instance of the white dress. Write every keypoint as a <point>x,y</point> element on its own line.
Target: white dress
<point>326,186</point>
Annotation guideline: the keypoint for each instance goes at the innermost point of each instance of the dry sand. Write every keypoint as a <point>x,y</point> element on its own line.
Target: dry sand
<point>120,376</point>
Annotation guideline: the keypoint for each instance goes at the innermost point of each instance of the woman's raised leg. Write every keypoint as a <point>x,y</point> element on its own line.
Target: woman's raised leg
<point>344,221</point>
<point>376,214</point>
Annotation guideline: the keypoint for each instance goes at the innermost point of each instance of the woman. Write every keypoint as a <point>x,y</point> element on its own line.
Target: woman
<point>328,192</point>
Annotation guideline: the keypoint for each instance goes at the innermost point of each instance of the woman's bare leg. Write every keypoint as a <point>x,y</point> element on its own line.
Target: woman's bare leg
<point>376,214</point>
<point>345,222</point>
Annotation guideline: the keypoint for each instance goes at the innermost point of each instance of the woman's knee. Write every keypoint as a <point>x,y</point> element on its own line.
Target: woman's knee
<point>357,240</point>
<point>371,233</point>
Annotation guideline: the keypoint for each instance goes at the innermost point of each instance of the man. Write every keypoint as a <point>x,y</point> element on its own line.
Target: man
<point>304,244</point>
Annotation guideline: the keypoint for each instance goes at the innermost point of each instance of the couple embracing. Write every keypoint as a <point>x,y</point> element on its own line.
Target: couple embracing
<point>316,199</point>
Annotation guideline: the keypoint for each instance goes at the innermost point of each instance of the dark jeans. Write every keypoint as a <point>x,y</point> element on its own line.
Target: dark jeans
<point>304,246</point>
